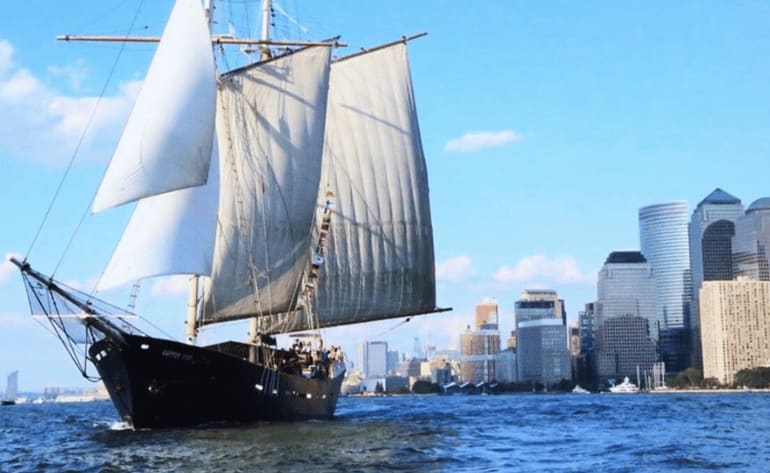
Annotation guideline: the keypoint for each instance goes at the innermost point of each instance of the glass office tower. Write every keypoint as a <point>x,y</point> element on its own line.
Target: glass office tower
<point>712,228</point>
<point>664,241</point>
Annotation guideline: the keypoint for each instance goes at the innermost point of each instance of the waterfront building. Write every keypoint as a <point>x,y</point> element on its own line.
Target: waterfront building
<point>511,342</point>
<point>587,329</point>
<point>712,227</point>
<point>478,347</point>
<point>626,286</point>
<point>584,365</point>
<point>477,353</point>
<point>392,361</point>
<point>735,327</point>
<point>373,359</point>
<point>751,243</point>
<point>664,241</point>
<point>486,313</point>
<point>627,324</point>
<point>505,366</point>
<point>541,338</point>
<point>624,348</point>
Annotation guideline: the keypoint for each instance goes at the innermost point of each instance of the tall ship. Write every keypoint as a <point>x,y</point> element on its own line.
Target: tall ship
<point>294,193</point>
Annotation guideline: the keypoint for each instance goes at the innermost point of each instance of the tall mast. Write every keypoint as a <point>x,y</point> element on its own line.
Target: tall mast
<point>255,328</point>
<point>264,49</point>
<point>191,325</point>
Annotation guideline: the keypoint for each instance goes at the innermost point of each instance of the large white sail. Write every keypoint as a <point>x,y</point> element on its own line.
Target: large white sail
<point>166,144</point>
<point>270,123</point>
<point>380,262</point>
<point>171,233</point>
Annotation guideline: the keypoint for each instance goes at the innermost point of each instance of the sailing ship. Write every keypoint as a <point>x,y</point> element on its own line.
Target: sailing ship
<point>11,389</point>
<point>293,191</point>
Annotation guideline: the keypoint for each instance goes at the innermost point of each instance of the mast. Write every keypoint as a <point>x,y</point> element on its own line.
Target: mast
<point>191,324</point>
<point>255,324</point>
<point>264,49</point>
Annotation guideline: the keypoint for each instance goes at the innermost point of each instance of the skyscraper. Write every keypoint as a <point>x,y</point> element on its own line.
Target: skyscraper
<point>479,347</point>
<point>751,243</point>
<point>712,228</point>
<point>373,357</point>
<point>486,313</point>
<point>735,327</point>
<point>627,325</point>
<point>541,338</point>
<point>626,287</point>
<point>664,241</point>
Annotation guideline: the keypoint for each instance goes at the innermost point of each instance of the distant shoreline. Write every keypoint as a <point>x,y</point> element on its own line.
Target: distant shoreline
<point>709,391</point>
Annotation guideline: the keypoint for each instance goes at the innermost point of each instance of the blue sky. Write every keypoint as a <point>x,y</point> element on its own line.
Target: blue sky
<point>546,125</point>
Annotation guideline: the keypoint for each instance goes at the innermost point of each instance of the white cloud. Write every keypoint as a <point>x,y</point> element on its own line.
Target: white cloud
<point>8,269</point>
<point>542,269</point>
<point>74,73</point>
<point>41,124</point>
<point>454,269</point>
<point>476,141</point>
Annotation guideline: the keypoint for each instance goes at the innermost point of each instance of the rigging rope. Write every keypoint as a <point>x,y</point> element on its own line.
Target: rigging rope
<point>75,154</point>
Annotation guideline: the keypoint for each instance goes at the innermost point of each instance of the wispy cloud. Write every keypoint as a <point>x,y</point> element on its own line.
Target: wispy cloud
<point>454,269</point>
<point>42,124</point>
<point>476,141</point>
<point>544,270</point>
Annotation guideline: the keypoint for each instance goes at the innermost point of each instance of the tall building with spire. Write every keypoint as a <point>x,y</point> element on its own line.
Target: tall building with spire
<point>712,227</point>
<point>664,241</point>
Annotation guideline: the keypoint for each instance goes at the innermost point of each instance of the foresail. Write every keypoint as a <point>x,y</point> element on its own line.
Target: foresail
<point>171,233</point>
<point>270,123</point>
<point>379,263</point>
<point>166,144</point>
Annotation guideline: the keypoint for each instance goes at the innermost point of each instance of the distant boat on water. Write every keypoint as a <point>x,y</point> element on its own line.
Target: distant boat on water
<point>578,389</point>
<point>626,387</point>
<point>11,389</point>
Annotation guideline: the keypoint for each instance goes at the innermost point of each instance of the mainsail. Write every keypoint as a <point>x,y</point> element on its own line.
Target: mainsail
<point>270,124</point>
<point>166,144</point>
<point>380,261</point>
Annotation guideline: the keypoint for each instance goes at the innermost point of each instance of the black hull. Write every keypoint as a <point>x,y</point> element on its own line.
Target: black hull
<point>157,383</point>
<point>7,403</point>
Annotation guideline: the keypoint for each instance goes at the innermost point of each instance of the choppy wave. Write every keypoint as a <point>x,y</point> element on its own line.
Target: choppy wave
<point>516,433</point>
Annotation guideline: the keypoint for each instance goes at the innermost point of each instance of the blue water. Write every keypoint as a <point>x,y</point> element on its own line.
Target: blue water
<point>510,433</point>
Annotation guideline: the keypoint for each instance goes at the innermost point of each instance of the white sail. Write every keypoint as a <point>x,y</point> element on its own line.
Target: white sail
<point>12,387</point>
<point>171,233</point>
<point>380,262</point>
<point>270,123</point>
<point>166,144</point>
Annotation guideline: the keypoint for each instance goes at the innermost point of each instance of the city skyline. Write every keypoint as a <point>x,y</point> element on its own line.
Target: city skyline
<point>544,134</point>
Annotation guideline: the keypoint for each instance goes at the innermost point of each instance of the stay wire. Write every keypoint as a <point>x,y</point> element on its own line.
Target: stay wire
<point>91,116</point>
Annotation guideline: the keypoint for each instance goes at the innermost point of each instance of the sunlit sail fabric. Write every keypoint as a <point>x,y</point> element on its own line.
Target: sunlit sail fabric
<point>166,144</point>
<point>270,123</point>
<point>380,261</point>
<point>171,233</point>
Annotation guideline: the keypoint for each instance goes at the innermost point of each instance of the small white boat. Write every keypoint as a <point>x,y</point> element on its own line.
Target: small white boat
<point>626,387</point>
<point>578,389</point>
